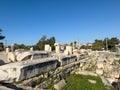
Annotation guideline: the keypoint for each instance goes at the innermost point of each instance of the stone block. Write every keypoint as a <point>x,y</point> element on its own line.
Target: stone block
<point>99,71</point>
<point>60,84</point>
<point>47,48</point>
<point>100,65</point>
<point>68,50</point>
<point>19,71</point>
<point>7,50</point>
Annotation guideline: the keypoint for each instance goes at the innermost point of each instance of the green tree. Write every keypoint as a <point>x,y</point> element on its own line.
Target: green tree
<point>1,46</point>
<point>110,43</point>
<point>85,47</point>
<point>107,44</point>
<point>43,40</point>
<point>74,44</point>
<point>21,46</point>
<point>41,43</point>
<point>51,42</point>
<point>1,38</point>
<point>97,45</point>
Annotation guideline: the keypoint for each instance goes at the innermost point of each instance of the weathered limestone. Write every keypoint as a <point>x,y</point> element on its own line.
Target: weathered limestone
<point>19,71</point>
<point>60,84</point>
<point>3,75</point>
<point>82,50</point>
<point>81,65</point>
<point>68,50</point>
<point>31,49</point>
<point>19,50</point>
<point>108,67</point>
<point>57,48</point>
<point>66,59</point>
<point>100,65</point>
<point>99,71</point>
<point>6,88</point>
<point>105,81</point>
<point>115,74</point>
<point>86,73</point>
<point>20,55</point>
<point>12,47</point>
<point>92,81</point>
<point>110,80</point>
<point>4,58</point>
<point>118,49</point>
<point>73,44</point>
<point>7,50</point>
<point>75,52</point>
<point>11,57</point>
<point>31,55</point>
<point>47,48</point>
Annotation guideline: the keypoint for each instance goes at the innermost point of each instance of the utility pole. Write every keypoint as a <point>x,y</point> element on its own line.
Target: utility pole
<point>106,45</point>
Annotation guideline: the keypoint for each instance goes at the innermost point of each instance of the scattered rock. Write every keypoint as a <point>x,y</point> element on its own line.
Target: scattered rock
<point>99,71</point>
<point>86,73</point>
<point>110,80</point>
<point>105,81</point>
<point>115,75</point>
<point>100,65</point>
<point>92,81</point>
<point>60,84</point>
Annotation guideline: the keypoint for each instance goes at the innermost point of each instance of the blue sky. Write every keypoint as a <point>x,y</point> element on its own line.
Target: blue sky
<point>26,21</point>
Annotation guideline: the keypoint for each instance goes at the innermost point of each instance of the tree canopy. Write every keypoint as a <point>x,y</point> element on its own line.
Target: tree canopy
<point>43,40</point>
<point>97,45</point>
<point>1,36</point>
<point>21,46</point>
<point>107,44</point>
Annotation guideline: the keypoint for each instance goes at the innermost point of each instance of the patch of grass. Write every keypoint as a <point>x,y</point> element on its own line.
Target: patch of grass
<point>80,82</point>
<point>51,87</point>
